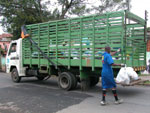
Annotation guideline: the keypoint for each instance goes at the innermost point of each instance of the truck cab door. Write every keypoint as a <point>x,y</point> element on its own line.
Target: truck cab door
<point>12,58</point>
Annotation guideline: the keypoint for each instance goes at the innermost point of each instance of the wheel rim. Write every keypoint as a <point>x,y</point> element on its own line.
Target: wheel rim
<point>14,75</point>
<point>64,82</point>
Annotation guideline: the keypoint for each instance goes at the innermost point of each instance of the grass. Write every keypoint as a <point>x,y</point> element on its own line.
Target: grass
<point>147,82</point>
<point>144,74</point>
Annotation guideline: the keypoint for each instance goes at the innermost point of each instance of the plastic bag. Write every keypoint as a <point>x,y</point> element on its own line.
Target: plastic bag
<point>132,74</point>
<point>126,75</point>
<point>123,77</point>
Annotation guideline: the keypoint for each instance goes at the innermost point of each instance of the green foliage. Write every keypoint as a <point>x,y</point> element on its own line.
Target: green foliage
<point>1,51</point>
<point>110,5</point>
<point>71,7</point>
<point>16,13</point>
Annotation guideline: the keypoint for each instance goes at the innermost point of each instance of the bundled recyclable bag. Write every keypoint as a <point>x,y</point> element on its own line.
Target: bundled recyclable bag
<point>126,75</point>
<point>123,77</point>
<point>131,73</point>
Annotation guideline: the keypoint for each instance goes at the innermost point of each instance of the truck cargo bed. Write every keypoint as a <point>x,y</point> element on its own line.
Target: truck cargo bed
<point>80,42</point>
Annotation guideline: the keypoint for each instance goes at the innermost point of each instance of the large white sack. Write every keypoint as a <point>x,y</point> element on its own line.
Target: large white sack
<point>134,76</point>
<point>129,70</point>
<point>123,77</point>
<point>131,73</point>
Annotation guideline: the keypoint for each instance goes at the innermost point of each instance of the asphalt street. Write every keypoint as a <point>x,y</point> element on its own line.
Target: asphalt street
<point>33,96</point>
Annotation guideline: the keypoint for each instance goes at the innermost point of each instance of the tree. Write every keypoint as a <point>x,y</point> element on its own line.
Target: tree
<point>66,8</point>
<point>110,5</point>
<point>19,12</point>
<point>73,7</point>
<point>16,13</point>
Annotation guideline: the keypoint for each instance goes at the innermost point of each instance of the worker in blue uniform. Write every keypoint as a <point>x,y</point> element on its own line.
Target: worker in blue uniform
<point>107,75</point>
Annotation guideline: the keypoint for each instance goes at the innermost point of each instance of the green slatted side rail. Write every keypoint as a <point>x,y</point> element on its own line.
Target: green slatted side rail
<point>93,46</point>
<point>69,47</point>
<point>81,29</point>
<point>81,41</point>
<point>136,46</point>
<point>48,47</point>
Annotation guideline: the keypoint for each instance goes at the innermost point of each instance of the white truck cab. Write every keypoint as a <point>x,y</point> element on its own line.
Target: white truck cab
<point>14,60</point>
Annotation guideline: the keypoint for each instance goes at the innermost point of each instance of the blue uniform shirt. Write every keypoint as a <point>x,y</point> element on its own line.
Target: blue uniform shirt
<point>107,72</point>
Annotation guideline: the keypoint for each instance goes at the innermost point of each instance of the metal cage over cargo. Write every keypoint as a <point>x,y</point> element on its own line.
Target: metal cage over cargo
<point>80,42</point>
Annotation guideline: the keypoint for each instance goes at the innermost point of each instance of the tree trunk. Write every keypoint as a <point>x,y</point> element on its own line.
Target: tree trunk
<point>67,7</point>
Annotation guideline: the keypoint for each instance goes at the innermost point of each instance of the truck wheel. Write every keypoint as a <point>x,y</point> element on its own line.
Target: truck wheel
<point>67,81</point>
<point>74,85</point>
<point>93,81</point>
<point>14,75</point>
<point>40,78</point>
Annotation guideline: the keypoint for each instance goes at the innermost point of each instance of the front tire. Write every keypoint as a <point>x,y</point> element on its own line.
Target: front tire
<point>15,76</point>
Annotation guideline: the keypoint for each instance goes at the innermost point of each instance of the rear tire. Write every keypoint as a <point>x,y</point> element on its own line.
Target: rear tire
<point>93,81</point>
<point>15,76</point>
<point>67,81</point>
<point>74,85</point>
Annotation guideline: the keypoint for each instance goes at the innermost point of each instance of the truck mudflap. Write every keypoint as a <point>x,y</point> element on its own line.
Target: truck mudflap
<point>134,82</point>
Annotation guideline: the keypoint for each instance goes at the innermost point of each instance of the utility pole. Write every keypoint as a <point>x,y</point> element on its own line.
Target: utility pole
<point>146,19</point>
<point>128,8</point>
<point>128,4</point>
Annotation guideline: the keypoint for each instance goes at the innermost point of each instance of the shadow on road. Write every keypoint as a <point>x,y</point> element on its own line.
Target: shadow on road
<point>129,91</point>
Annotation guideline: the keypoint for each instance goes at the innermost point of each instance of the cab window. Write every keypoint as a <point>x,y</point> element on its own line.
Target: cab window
<point>13,48</point>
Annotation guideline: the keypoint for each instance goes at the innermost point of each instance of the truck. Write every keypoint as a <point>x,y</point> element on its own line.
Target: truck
<point>72,48</point>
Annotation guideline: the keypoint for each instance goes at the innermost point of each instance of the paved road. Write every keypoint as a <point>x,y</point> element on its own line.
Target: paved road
<point>32,96</point>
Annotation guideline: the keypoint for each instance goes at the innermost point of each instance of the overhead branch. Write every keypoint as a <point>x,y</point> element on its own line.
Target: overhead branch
<point>67,7</point>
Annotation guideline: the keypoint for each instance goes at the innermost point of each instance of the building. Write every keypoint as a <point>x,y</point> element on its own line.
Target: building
<point>5,41</point>
<point>4,44</point>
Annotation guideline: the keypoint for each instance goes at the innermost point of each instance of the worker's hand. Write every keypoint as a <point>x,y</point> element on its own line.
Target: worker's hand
<point>118,50</point>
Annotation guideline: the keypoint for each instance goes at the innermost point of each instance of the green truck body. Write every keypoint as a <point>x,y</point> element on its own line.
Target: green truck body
<point>77,44</point>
